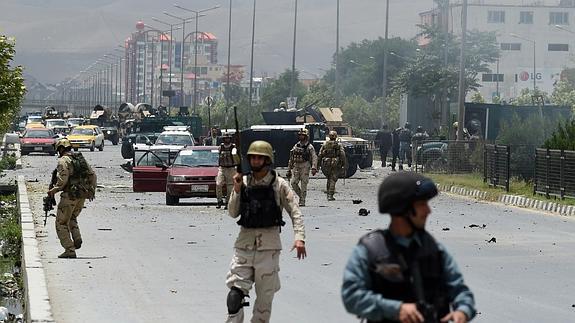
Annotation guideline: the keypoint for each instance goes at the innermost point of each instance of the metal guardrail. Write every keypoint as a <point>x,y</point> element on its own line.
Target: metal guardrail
<point>496,165</point>
<point>554,173</point>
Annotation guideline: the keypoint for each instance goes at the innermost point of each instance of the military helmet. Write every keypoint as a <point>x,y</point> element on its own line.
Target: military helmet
<point>261,148</point>
<point>283,105</point>
<point>455,124</point>
<point>398,191</point>
<point>407,125</point>
<point>64,142</point>
<point>303,132</point>
<point>419,129</point>
<point>333,134</point>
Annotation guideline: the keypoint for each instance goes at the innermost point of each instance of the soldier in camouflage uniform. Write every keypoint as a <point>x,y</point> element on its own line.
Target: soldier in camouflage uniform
<point>77,182</point>
<point>302,157</point>
<point>333,162</point>
<point>226,170</point>
<point>259,200</point>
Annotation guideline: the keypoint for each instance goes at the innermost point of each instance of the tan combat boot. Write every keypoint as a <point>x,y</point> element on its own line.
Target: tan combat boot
<point>68,254</point>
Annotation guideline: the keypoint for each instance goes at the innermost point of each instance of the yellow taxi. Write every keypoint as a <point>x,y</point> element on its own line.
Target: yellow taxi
<point>34,125</point>
<point>87,136</point>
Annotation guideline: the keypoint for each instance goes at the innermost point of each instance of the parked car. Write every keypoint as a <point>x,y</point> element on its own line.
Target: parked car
<point>59,126</point>
<point>87,137</point>
<point>191,174</point>
<point>38,140</point>
<point>175,137</point>
<point>74,122</point>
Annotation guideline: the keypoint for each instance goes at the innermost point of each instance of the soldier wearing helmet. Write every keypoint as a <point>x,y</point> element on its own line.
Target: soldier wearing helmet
<point>259,199</point>
<point>402,274</point>
<point>226,169</point>
<point>77,182</point>
<point>333,162</point>
<point>419,136</point>
<point>302,158</point>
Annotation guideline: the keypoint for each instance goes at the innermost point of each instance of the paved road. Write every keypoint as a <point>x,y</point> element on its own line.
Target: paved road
<point>143,261</point>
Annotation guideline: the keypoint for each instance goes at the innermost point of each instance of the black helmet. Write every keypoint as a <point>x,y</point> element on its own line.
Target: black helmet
<point>407,125</point>
<point>419,129</point>
<point>398,191</point>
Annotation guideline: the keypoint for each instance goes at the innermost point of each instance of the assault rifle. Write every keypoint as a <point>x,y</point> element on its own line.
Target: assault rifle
<point>50,201</point>
<point>238,142</point>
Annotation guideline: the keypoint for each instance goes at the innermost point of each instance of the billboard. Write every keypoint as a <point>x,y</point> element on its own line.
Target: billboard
<point>545,78</point>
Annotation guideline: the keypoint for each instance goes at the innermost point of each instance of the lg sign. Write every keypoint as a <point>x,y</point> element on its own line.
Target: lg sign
<point>524,76</point>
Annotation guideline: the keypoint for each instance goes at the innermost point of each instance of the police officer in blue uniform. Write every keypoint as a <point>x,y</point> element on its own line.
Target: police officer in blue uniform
<point>402,274</point>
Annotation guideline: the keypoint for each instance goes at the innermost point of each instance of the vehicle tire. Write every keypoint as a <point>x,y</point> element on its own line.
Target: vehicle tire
<point>93,146</point>
<point>101,148</point>
<point>367,162</point>
<point>351,169</point>
<point>171,200</point>
<point>75,149</point>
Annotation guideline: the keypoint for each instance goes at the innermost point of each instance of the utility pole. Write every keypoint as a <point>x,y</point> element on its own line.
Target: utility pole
<point>461,117</point>
<point>337,56</point>
<point>251,67</point>
<point>384,84</point>
<point>292,83</point>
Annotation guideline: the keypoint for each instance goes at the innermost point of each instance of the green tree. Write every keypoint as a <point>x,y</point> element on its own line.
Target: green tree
<point>430,75</point>
<point>529,97</point>
<point>360,66</point>
<point>563,94</point>
<point>477,98</point>
<point>279,90</point>
<point>563,137</point>
<point>12,87</point>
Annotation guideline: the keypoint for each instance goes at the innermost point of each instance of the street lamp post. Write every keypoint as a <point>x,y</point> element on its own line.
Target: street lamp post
<point>337,56</point>
<point>229,59</point>
<point>251,66</point>
<point>292,83</point>
<point>170,49</point>
<point>461,98</point>
<point>534,70</point>
<point>197,13</point>
<point>384,81</point>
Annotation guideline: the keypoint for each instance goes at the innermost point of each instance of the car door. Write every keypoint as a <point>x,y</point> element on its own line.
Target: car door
<point>149,172</point>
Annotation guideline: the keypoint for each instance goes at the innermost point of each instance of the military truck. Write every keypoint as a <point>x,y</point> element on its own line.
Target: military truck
<point>281,132</point>
<point>102,116</point>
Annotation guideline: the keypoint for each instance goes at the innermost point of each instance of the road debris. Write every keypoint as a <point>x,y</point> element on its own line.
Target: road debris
<point>445,229</point>
<point>356,201</point>
<point>478,226</point>
<point>104,229</point>
<point>363,212</point>
<point>491,240</point>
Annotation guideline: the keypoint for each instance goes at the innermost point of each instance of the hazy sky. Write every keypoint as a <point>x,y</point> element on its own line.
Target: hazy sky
<point>58,38</point>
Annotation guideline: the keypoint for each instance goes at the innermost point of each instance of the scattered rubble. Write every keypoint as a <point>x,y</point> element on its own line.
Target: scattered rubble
<point>491,240</point>
<point>356,201</point>
<point>363,212</point>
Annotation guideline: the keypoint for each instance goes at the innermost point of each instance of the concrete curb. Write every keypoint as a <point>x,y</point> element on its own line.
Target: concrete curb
<point>38,307</point>
<point>515,200</point>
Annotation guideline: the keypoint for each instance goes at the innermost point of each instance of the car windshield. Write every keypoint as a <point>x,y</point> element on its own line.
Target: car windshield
<point>38,134</point>
<point>56,123</point>
<point>84,132</point>
<point>173,139</point>
<point>74,122</point>
<point>196,158</point>
<point>34,119</point>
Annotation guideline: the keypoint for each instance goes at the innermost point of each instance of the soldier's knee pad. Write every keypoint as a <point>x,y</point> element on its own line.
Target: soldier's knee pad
<point>236,300</point>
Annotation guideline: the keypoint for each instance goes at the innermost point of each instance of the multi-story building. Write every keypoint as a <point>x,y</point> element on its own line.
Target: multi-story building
<point>154,65</point>
<point>535,40</point>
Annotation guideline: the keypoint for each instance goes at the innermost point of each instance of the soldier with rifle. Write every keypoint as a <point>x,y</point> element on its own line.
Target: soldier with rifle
<point>258,199</point>
<point>77,182</point>
<point>402,274</point>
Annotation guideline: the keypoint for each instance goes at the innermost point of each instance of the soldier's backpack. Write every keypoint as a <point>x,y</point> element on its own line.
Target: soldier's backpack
<point>80,181</point>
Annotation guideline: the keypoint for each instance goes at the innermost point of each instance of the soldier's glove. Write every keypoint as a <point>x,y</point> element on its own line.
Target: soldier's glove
<point>288,174</point>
